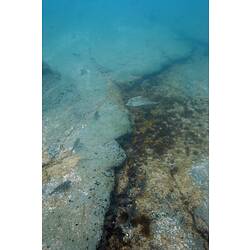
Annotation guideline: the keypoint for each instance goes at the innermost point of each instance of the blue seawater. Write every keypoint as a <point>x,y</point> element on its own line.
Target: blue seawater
<point>125,124</point>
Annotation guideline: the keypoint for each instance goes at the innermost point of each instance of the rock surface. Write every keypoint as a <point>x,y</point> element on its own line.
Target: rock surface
<point>85,121</point>
<point>160,199</point>
<point>80,152</point>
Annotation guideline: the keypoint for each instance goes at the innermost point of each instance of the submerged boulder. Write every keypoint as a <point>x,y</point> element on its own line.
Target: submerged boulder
<point>80,128</point>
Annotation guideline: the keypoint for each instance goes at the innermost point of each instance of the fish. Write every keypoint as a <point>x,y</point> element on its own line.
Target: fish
<point>96,115</point>
<point>139,101</point>
<point>62,187</point>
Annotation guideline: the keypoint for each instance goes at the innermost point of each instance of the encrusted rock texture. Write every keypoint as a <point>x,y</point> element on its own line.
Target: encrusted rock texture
<point>160,200</point>
<point>127,177</point>
<point>80,152</point>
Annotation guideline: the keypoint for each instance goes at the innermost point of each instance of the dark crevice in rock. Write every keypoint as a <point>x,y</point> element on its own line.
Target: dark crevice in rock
<point>110,227</point>
<point>155,131</point>
<point>131,86</point>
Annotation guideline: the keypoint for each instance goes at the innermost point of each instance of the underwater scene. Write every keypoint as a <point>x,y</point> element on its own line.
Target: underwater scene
<point>125,124</point>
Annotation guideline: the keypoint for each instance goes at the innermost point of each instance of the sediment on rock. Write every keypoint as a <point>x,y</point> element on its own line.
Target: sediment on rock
<point>155,198</point>
<point>80,125</point>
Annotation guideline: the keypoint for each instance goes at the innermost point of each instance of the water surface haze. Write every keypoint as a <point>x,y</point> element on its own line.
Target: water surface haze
<point>125,124</point>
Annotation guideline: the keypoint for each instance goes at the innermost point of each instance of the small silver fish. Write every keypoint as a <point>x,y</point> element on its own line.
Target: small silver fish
<point>139,101</point>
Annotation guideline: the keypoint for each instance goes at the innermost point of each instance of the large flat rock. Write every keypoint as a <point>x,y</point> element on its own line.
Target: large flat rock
<point>80,127</point>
